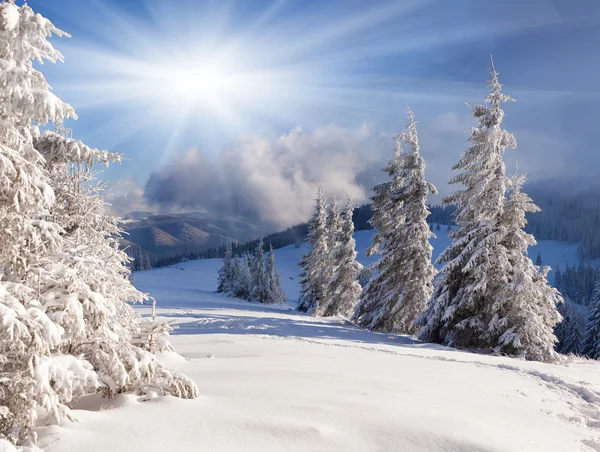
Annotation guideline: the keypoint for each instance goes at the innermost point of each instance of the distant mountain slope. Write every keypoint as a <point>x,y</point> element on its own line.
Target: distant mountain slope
<point>174,234</point>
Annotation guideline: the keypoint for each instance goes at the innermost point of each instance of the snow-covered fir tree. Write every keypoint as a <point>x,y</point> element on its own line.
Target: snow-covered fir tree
<point>102,327</point>
<point>29,379</point>
<point>258,291</point>
<point>334,225</point>
<point>591,342</point>
<point>524,307</point>
<point>490,295</point>
<point>344,290</point>
<point>66,328</point>
<point>395,297</point>
<point>225,280</point>
<point>140,258</point>
<point>236,269</point>
<point>315,264</point>
<point>475,263</point>
<point>274,294</point>
<point>243,284</point>
<point>572,330</point>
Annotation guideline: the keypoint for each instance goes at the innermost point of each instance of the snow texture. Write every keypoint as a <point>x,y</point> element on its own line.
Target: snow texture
<point>273,379</point>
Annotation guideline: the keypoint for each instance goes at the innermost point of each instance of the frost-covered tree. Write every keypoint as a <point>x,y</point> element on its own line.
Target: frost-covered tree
<point>344,290</point>
<point>258,290</point>
<point>139,258</point>
<point>62,303</point>
<point>315,264</point>
<point>395,297</point>
<point>225,279</point>
<point>236,268</point>
<point>475,263</point>
<point>29,378</point>
<point>243,285</point>
<point>571,331</point>
<point>591,343</point>
<point>334,224</point>
<point>524,308</point>
<point>274,294</point>
<point>93,284</point>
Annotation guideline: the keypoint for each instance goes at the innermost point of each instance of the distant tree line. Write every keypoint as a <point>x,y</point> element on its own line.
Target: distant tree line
<point>251,279</point>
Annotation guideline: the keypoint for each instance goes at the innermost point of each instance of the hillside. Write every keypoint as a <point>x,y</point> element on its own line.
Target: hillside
<point>273,379</point>
<point>167,235</point>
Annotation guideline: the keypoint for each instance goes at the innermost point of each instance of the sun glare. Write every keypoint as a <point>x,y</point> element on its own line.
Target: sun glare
<point>204,84</point>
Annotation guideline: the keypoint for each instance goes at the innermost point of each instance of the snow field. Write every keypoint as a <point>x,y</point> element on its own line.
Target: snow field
<point>272,379</point>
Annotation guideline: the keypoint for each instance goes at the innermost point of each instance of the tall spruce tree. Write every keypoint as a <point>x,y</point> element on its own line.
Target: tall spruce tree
<point>591,343</point>
<point>395,297</point>
<point>344,290</point>
<point>315,263</point>
<point>475,263</point>
<point>274,294</point>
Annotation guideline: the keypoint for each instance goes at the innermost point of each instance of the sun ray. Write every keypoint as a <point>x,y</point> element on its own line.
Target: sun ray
<point>203,71</point>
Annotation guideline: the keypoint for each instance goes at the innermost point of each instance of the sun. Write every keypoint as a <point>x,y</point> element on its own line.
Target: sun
<point>193,85</point>
<point>205,84</point>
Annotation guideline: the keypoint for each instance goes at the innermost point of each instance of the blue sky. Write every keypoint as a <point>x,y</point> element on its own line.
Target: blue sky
<point>180,87</point>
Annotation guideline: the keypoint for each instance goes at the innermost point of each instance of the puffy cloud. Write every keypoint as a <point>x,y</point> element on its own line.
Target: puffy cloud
<point>271,180</point>
<point>125,196</point>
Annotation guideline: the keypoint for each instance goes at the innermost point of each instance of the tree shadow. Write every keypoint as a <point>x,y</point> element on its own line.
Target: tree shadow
<point>274,321</point>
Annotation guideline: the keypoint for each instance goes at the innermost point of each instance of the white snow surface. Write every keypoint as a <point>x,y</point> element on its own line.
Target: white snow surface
<point>275,380</point>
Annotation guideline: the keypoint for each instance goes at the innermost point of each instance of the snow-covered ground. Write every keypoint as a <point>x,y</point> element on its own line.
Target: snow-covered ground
<point>274,380</point>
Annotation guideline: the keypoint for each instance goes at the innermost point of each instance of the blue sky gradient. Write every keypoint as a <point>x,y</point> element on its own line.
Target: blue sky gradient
<point>313,63</point>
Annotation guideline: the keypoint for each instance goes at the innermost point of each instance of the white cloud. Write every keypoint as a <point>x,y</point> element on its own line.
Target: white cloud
<point>270,180</point>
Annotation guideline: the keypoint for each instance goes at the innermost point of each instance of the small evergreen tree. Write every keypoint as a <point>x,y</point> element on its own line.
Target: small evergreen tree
<point>538,260</point>
<point>573,330</point>
<point>591,343</point>
<point>395,297</point>
<point>225,279</point>
<point>245,279</point>
<point>344,290</point>
<point>236,269</point>
<point>274,294</point>
<point>558,278</point>
<point>315,264</point>
<point>259,279</point>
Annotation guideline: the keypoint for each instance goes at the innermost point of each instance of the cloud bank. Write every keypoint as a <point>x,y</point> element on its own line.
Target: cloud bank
<point>273,181</point>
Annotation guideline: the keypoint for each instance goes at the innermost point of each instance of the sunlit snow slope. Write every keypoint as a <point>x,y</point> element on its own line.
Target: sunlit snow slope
<point>274,380</point>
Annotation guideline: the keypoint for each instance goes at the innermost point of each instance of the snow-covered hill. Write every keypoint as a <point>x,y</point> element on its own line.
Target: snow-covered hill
<point>275,380</point>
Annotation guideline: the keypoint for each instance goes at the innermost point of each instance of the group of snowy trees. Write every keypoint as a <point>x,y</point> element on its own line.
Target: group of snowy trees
<point>139,258</point>
<point>330,270</point>
<point>576,333</point>
<point>489,295</point>
<point>66,326</point>
<point>251,279</point>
